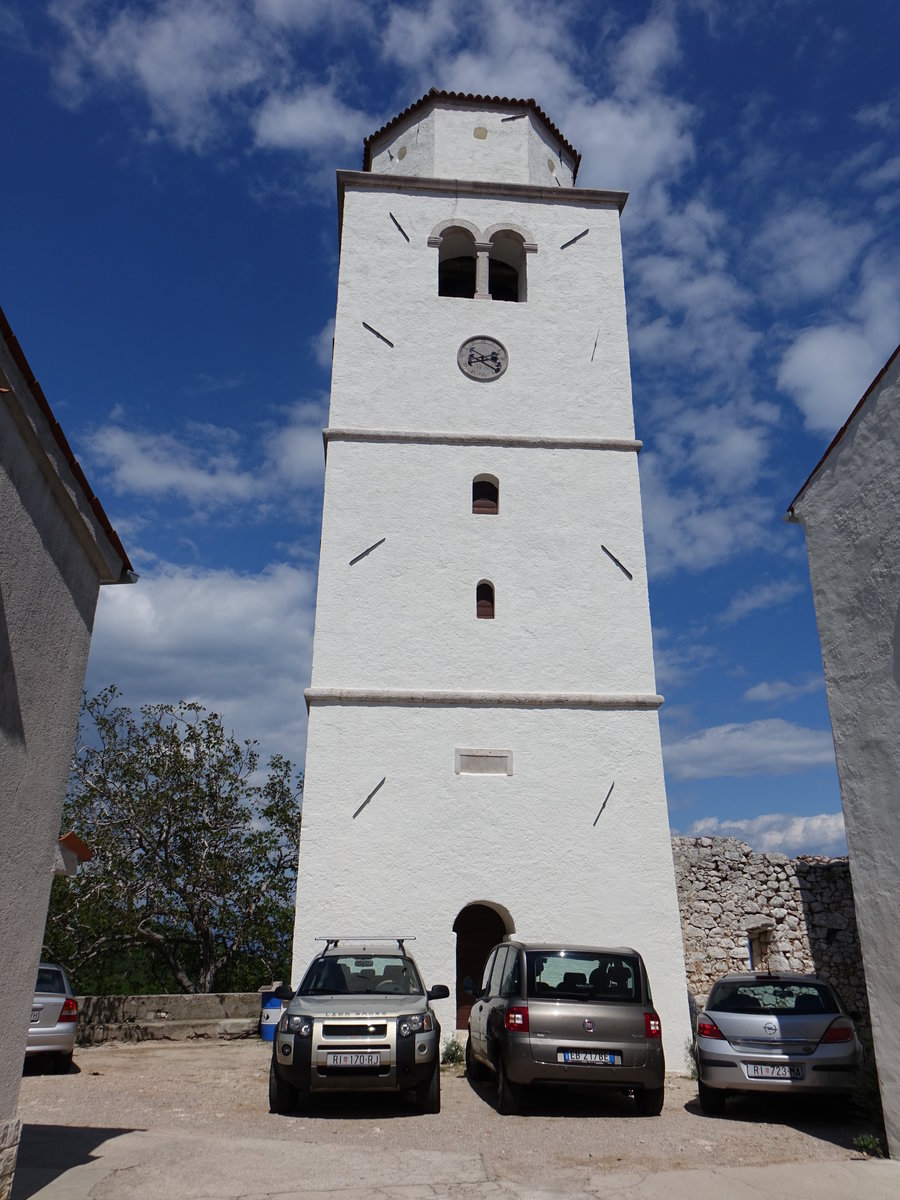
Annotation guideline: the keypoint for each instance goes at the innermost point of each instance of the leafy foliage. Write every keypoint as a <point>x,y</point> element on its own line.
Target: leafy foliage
<point>192,882</point>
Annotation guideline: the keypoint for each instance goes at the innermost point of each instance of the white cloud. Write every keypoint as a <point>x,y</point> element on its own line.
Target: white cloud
<point>781,832</point>
<point>805,252</point>
<point>828,368</point>
<point>311,119</point>
<point>763,595</point>
<point>413,34</point>
<point>781,689</point>
<point>238,644</point>
<point>772,747</point>
<point>188,59</point>
<point>212,466</point>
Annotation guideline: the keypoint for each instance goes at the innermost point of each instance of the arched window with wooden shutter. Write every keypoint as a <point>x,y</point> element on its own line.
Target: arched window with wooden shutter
<point>484,601</point>
<point>485,494</point>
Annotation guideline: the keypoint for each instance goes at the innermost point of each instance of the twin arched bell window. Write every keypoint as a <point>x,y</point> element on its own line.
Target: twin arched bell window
<point>482,266</point>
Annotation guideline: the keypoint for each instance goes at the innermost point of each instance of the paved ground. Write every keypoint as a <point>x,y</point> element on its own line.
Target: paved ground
<point>190,1120</point>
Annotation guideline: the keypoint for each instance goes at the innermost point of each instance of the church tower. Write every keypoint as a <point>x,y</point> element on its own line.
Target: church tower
<point>483,752</point>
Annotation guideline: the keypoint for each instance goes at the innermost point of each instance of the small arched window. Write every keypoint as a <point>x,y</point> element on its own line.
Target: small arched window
<point>506,268</point>
<point>485,494</point>
<point>484,601</point>
<point>456,264</point>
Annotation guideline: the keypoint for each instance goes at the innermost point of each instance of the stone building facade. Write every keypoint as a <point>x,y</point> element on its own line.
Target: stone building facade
<point>742,910</point>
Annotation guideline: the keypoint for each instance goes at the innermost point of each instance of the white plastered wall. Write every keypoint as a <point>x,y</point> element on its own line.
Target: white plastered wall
<point>850,512</point>
<point>448,141</point>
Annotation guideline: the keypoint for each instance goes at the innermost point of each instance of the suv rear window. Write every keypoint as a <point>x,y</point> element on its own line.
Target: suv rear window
<point>348,974</point>
<point>583,975</point>
<point>773,997</point>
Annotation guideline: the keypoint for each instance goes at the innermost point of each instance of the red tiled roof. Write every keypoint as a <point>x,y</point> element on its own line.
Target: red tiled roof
<point>469,98</point>
<point>843,429</point>
<point>60,438</point>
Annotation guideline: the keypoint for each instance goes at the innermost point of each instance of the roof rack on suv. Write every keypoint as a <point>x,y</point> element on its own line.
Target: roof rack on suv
<point>364,940</point>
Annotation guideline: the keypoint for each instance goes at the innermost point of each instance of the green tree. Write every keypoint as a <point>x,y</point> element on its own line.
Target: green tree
<point>192,882</point>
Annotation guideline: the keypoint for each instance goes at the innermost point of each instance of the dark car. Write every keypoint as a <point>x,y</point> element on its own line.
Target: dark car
<point>360,1021</point>
<point>576,1015</point>
<point>775,1033</point>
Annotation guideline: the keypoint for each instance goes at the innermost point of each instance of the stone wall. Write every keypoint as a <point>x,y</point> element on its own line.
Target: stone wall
<point>795,914</point>
<point>171,1018</point>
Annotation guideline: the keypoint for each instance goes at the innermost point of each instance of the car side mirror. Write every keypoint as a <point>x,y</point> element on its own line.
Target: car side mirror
<point>440,991</point>
<point>283,992</point>
<point>468,986</point>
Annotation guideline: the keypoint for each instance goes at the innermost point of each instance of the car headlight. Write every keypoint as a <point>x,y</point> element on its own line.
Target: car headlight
<point>302,1026</point>
<point>418,1023</point>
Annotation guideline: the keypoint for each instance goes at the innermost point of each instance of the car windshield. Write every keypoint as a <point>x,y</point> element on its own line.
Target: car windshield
<point>773,997</point>
<point>583,975</point>
<point>350,974</point>
<point>50,981</point>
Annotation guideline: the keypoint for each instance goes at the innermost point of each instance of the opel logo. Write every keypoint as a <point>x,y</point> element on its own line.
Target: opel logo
<point>589,1025</point>
<point>770,1027</point>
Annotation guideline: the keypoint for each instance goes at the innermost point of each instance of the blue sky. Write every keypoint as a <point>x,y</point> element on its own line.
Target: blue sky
<point>168,240</point>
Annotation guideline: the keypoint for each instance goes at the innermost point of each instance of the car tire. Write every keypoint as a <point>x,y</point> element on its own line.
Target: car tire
<point>282,1096</point>
<point>475,1070</point>
<point>428,1093</point>
<point>649,1101</point>
<point>712,1100</point>
<point>509,1095</point>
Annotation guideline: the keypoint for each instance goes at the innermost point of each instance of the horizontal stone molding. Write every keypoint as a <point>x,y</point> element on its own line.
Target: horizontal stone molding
<point>611,701</point>
<point>523,441</point>
<point>377,182</point>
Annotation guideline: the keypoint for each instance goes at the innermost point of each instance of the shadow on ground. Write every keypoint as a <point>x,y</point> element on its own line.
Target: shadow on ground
<point>48,1151</point>
<point>546,1101</point>
<point>828,1119</point>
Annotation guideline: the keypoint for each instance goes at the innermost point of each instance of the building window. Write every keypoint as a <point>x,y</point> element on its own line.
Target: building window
<point>506,268</point>
<point>456,264</point>
<point>484,601</point>
<point>485,494</point>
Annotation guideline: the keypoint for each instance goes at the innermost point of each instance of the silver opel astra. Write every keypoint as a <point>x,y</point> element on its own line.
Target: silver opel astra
<point>776,1033</point>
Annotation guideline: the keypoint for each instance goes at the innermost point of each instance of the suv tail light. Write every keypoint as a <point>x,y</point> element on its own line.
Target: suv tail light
<point>709,1029</point>
<point>69,1011</point>
<point>839,1032</point>
<point>652,1025</point>
<point>516,1020</point>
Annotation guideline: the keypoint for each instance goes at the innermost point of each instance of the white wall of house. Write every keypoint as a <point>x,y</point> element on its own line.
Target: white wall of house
<point>53,557</point>
<point>850,511</point>
<point>404,676</point>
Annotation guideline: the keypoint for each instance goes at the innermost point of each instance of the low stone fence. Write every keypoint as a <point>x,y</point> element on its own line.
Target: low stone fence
<point>174,1018</point>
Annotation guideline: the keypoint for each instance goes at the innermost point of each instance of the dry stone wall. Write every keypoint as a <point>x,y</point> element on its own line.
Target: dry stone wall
<point>788,914</point>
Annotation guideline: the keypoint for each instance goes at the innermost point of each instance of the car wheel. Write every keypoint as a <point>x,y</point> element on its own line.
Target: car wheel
<point>649,1101</point>
<point>712,1100</point>
<point>428,1093</point>
<point>475,1070</point>
<point>282,1096</point>
<point>509,1095</point>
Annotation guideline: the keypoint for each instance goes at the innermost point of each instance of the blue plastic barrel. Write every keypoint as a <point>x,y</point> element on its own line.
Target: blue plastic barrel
<point>269,1016</point>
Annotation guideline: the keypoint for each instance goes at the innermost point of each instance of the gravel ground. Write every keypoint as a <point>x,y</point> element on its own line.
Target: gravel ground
<point>220,1088</point>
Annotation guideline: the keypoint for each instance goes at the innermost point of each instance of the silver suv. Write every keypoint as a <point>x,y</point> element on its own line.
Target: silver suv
<point>361,1021</point>
<point>551,1013</point>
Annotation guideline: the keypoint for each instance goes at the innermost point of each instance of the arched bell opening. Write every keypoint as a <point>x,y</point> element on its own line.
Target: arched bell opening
<point>478,928</point>
<point>456,264</point>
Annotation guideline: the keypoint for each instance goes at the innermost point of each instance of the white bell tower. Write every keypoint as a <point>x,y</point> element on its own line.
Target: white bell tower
<point>483,752</point>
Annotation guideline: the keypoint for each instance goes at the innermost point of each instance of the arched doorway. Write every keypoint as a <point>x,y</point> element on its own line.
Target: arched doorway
<point>478,928</point>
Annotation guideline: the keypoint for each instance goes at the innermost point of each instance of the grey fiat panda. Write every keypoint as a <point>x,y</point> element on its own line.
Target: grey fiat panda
<point>360,1021</point>
<point>580,1015</point>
